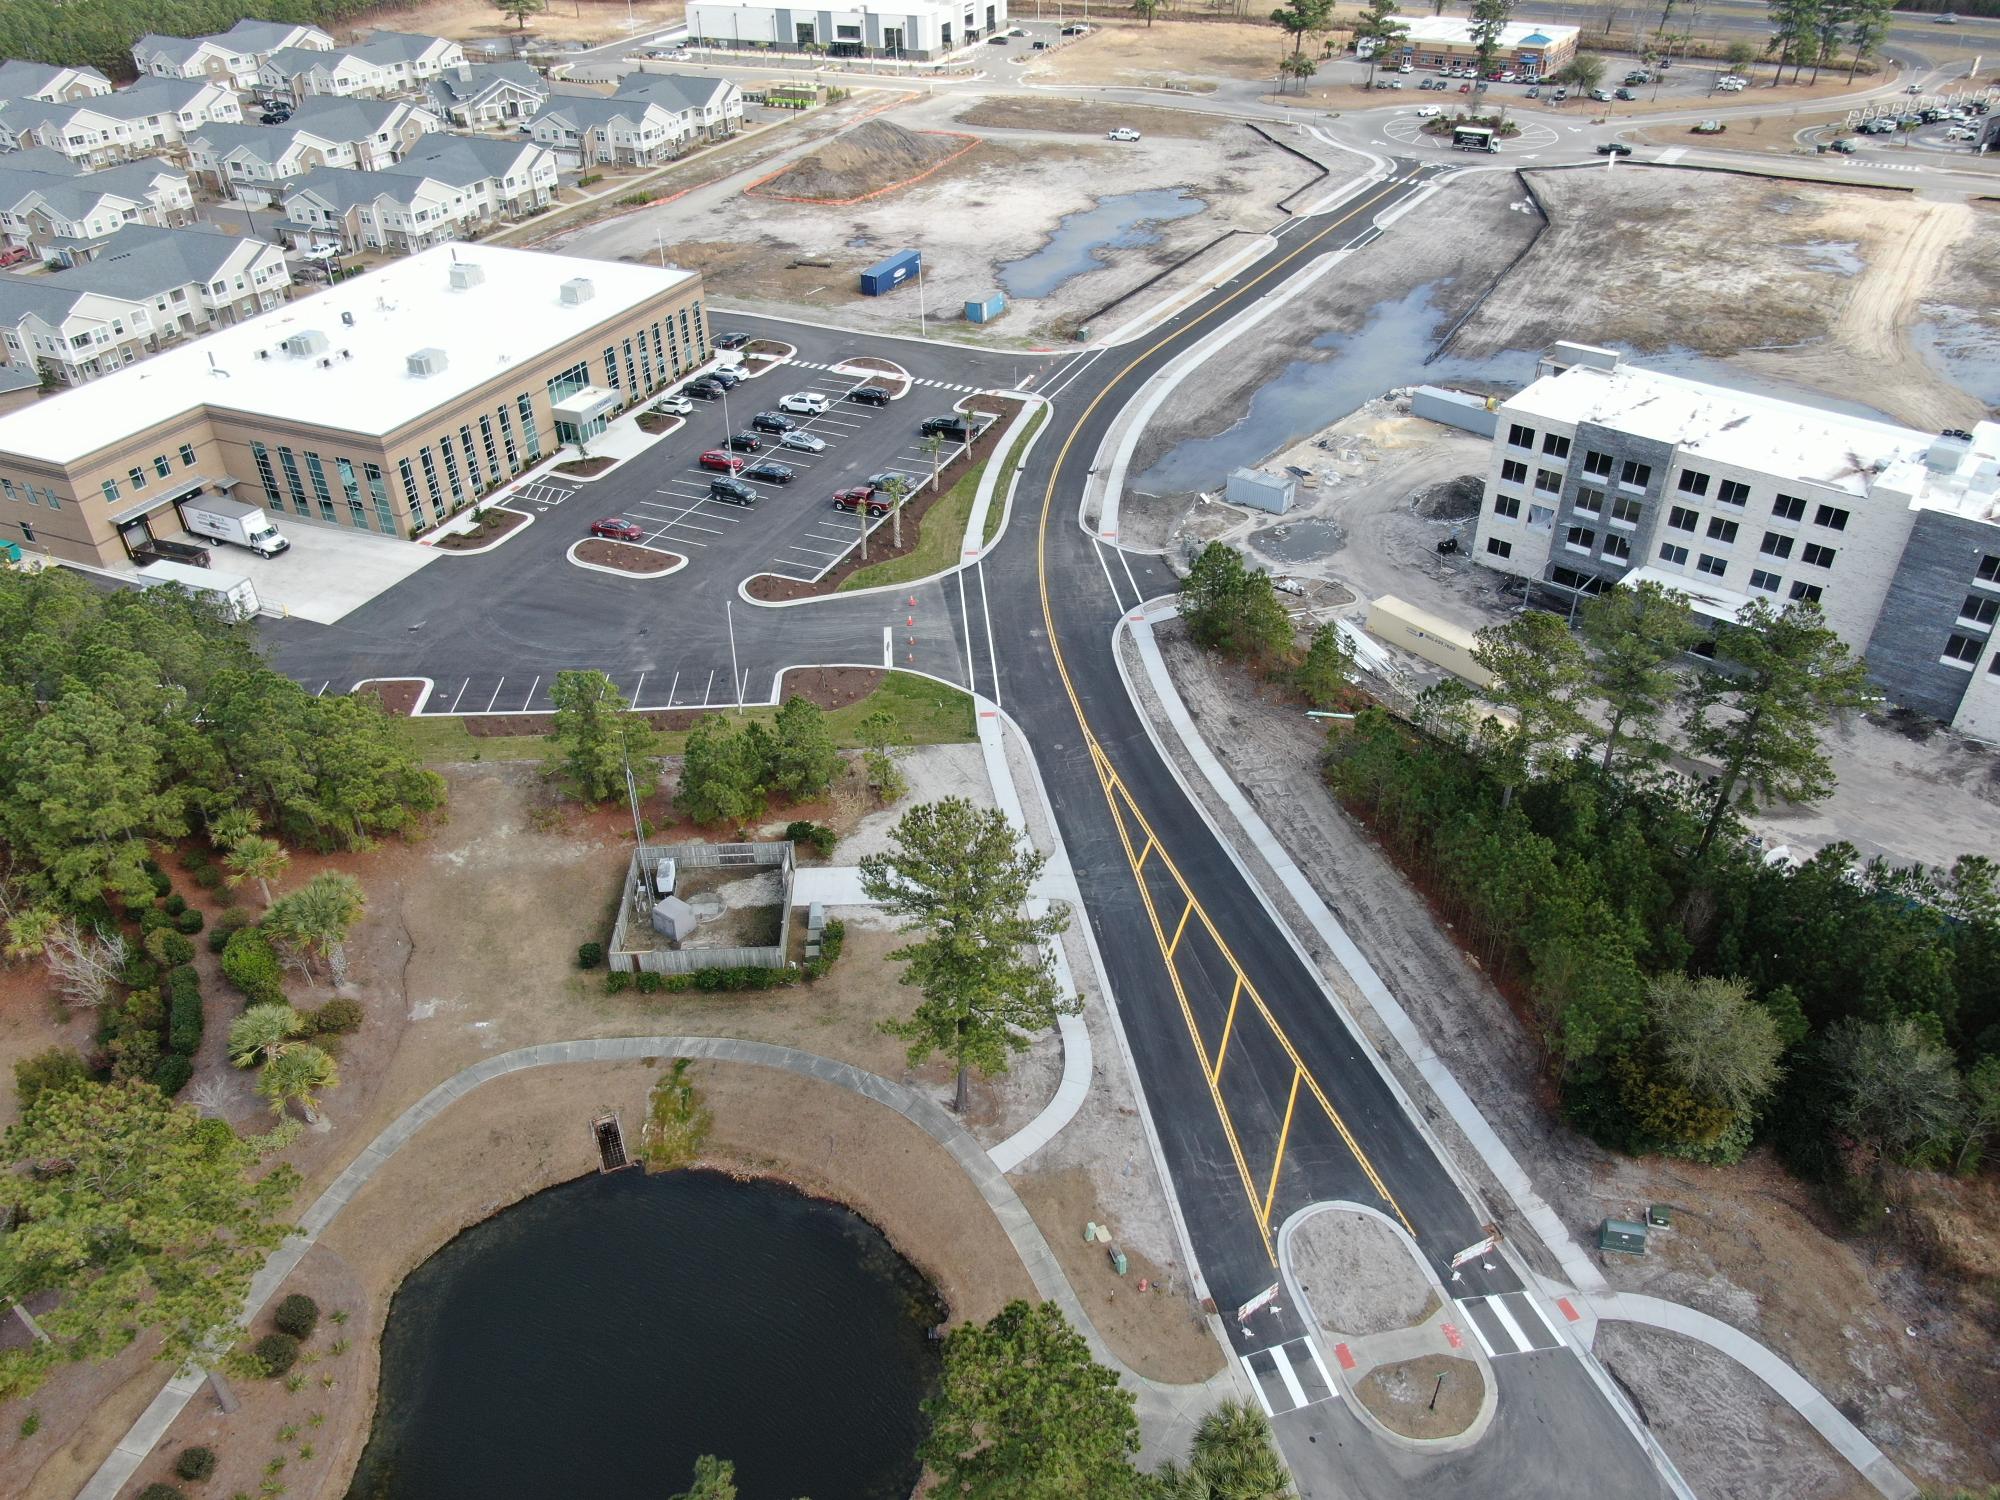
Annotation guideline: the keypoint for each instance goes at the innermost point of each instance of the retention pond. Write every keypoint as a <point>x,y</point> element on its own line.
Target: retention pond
<point>1119,222</point>
<point>598,1337</point>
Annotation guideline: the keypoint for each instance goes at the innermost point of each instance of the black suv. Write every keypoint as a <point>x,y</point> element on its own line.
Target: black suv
<point>951,424</point>
<point>869,395</point>
<point>704,388</point>
<point>771,471</point>
<point>743,442</point>
<point>731,491</point>
<point>732,341</point>
<point>770,421</point>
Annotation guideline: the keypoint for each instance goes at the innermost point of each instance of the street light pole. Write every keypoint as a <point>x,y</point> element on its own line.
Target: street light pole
<point>923,320</point>
<point>735,676</point>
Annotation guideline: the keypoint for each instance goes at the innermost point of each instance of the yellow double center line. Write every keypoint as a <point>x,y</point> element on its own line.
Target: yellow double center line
<point>1141,844</point>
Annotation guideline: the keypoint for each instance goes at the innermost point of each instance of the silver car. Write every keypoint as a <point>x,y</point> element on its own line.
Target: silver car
<point>802,440</point>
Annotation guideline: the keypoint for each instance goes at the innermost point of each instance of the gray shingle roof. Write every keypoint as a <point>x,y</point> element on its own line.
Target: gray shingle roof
<point>674,91</point>
<point>465,83</point>
<point>340,119</point>
<point>460,160</point>
<point>344,187</point>
<point>24,79</point>
<point>149,96</point>
<point>592,111</point>
<point>252,35</point>
<point>176,49</point>
<point>140,260</point>
<point>289,62</point>
<point>75,196</point>
<point>265,143</point>
<point>396,46</point>
<point>17,378</point>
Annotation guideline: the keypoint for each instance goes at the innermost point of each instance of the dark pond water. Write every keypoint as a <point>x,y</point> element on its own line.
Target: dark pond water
<point>596,1338</point>
<point>1118,222</point>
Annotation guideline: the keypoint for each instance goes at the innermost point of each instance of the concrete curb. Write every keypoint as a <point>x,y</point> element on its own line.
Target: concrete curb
<point>590,567</point>
<point>973,545</point>
<point>430,539</point>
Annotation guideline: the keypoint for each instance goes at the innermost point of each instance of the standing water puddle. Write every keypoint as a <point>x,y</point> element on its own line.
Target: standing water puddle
<point>1116,223</point>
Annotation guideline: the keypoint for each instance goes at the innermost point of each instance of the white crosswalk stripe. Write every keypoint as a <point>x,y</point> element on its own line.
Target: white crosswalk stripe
<point>1510,1323</point>
<point>1288,1376</point>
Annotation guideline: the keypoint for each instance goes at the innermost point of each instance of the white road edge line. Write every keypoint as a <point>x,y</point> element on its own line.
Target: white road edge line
<point>888,646</point>
<point>1535,1306</point>
<point>1332,1390</point>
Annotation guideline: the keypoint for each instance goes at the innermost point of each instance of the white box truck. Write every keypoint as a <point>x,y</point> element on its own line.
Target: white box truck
<point>234,522</point>
<point>236,595</point>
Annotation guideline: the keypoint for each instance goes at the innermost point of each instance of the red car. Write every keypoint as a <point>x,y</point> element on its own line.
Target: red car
<point>618,529</point>
<point>721,459</point>
<point>860,495</point>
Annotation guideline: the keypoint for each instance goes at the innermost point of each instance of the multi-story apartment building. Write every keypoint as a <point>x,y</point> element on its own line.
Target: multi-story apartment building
<point>151,116</point>
<point>382,404</point>
<point>251,163</point>
<point>50,82</point>
<point>49,206</point>
<point>389,62</point>
<point>653,117</point>
<point>1605,473</point>
<point>230,57</point>
<point>445,187</point>
<point>487,96</point>
<point>147,288</point>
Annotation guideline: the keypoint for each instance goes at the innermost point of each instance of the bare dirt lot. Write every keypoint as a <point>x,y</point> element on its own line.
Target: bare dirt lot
<point>1810,284</point>
<point>1407,1397</point>
<point>1079,117</point>
<point>1169,54</point>
<point>474,20</point>
<point>875,157</point>
<point>1749,1244</point>
<point>1358,1275</point>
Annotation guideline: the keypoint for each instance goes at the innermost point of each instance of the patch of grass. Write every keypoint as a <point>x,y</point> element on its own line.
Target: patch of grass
<point>937,543</point>
<point>997,511</point>
<point>446,740</point>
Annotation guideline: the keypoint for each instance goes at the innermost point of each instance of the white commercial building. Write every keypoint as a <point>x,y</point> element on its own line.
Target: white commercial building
<point>1522,47</point>
<point>1604,473</point>
<point>915,29</point>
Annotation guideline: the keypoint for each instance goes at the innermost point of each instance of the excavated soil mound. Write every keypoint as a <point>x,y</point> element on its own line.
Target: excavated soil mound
<point>868,159</point>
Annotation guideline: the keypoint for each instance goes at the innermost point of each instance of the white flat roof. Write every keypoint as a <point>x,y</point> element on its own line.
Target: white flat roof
<point>1770,435</point>
<point>514,315</point>
<point>1448,31</point>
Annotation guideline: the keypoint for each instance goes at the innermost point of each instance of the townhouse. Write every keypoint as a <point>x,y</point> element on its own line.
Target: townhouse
<point>253,163</point>
<point>446,187</point>
<point>50,82</point>
<point>147,288</point>
<point>50,207</point>
<point>652,118</point>
<point>487,96</point>
<point>151,116</point>
<point>707,108</point>
<point>1604,473</point>
<point>389,62</point>
<point>231,57</point>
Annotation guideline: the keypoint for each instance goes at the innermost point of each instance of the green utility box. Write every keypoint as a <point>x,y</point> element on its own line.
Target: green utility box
<point>1622,1237</point>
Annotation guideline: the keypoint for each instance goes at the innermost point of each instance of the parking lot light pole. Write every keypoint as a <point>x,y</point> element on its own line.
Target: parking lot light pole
<point>735,676</point>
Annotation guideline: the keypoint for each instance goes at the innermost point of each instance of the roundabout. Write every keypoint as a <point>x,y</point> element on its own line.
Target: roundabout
<point>1408,130</point>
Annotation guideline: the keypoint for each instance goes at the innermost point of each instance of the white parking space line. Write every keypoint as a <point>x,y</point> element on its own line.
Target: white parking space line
<point>637,688</point>
<point>673,689</point>
<point>709,688</point>
<point>531,692</point>
<point>461,693</point>
<point>323,687</point>
<point>496,694</point>
<point>816,551</point>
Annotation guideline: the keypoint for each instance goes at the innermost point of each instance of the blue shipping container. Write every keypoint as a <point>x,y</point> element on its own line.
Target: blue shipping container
<point>985,309</point>
<point>887,275</point>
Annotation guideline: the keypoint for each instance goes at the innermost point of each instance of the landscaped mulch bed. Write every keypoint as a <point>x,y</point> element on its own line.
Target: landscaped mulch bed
<point>583,468</point>
<point>773,589</point>
<point>829,687</point>
<point>625,557</point>
<point>496,525</point>
<point>766,349</point>
<point>397,697</point>
<point>882,372</point>
<point>654,423</point>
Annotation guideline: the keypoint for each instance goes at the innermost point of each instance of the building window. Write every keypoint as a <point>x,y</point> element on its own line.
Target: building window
<point>611,365</point>
<point>1499,548</point>
<point>631,371</point>
<point>1817,556</point>
<point>1989,569</point>
<point>187,455</point>
<point>1508,506</point>
<point>162,467</point>
<point>492,453</point>
<point>572,380</point>
<point>1580,539</point>
<point>1548,480</point>
<point>7,489</point>
<point>1788,508</point>
<point>1733,492</point>
<point>1678,556</point>
<point>410,491</point>
<point>1979,610</point>
<point>378,492</point>
<point>1625,511</point>
<point>1693,482</point>
<point>1831,519</point>
<point>645,362</point>
<point>138,478</point>
<point>1588,502</point>
<point>431,482</point>
<point>1710,564</point>
<point>507,440</point>
<point>1512,471</point>
<point>27,531</point>
<point>270,481</point>
<point>1636,474</point>
<point>471,457</point>
<point>1776,545</point>
<point>1520,437</point>
<point>110,488</point>
<point>1618,547</point>
<point>1768,582</point>
<point>51,499</point>
<point>293,483</point>
<point>1555,445</point>
<point>1569,578</point>
<point>320,492</point>
<point>1720,530</point>
<point>1597,463</point>
<point>1806,593</point>
<point>1680,518</point>
<point>1962,650</point>
<point>529,435</point>
<point>1541,517</point>
<point>451,473</point>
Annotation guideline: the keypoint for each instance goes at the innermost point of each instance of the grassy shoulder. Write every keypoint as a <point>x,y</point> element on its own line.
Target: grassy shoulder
<point>996,513</point>
<point>928,713</point>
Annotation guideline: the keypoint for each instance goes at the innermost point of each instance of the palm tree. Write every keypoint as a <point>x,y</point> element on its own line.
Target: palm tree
<point>898,488</point>
<point>232,826</point>
<point>302,1073</point>
<point>1233,1453</point>
<point>317,918</point>
<point>257,858</point>
<point>263,1033</point>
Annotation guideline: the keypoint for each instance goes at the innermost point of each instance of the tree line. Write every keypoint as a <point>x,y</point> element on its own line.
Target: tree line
<point>1690,996</point>
<point>100,33</point>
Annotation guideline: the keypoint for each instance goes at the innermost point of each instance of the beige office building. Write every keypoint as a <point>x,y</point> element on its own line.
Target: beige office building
<point>384,404</point>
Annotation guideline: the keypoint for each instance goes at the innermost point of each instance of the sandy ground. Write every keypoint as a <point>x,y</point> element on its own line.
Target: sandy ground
<point>1748,1245</point>
<point>996,204</point>
<point>1408,1398</point>
<point>1358,1275</point>
<point>1657,260</point>
<point>1962,305</point>
<point>561,20</point>
<point>1169,54</point>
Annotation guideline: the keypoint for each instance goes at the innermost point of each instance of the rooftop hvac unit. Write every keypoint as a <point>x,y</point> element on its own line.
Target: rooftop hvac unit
<point>263,353</point>
<point>306,344</point>
<point>426,362</point>
<point>327,363</point>
<point>347,318</point>
<point>577,291</point>
<point>464,275</point>
<point>1948,450</point>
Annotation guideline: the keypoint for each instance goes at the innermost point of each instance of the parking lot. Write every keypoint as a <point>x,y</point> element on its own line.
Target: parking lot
<point>792,529</point>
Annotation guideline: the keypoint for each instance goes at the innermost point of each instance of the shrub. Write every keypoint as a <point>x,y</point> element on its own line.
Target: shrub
<point>226,927</point>
<point>190,921</point>
<point>832,938</point>
<point>163,884</point>
<point>58,1068</point>
<point>297,1315</point>
<point>589,955</point>
<point>815,836</point>
<point>139,973</point>
<point>175,904</point>
<point>153,918</point>
<point>251,964</point>
<point>276,1353</point>
<point>208,877</point>
<point>195,1463</point>
<point>172,1072</point>
<point>335,1018</point>
<point>165,946</point>
<point>649,983</point>
<point>617,982</point>
<point>184,1019</point>
<point>163,1492</point>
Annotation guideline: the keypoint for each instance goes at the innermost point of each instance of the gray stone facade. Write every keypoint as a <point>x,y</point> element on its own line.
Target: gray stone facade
<point>1621,448</point>
<point>1939,565</point>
